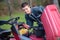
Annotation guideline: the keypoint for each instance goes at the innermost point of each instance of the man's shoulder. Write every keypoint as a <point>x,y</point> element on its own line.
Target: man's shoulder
<point>34,7</point>
<point>37,7</point>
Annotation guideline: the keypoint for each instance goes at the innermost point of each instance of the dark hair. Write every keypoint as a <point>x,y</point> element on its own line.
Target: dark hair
<point>24,4</point>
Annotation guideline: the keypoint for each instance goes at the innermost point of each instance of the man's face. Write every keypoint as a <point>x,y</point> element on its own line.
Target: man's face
<point>27,9</point>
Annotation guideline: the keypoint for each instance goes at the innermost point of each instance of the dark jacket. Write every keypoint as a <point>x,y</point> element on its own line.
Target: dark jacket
<point>34,16</point>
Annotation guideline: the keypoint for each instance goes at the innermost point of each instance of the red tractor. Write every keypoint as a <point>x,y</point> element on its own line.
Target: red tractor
<point>51,23</point>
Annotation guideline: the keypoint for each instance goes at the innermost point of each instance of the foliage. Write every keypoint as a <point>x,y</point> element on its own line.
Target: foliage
<point>38,2</point>
<point>1,0</point>
<point>2,5</point>
<point>15,4</point>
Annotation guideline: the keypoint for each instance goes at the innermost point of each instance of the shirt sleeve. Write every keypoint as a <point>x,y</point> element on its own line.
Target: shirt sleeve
<point>38,10</point>
<point>28,21</point>
<point>41,8</point>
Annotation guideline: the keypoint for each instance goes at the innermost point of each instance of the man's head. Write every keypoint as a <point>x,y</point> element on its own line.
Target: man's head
<point>26,8</point>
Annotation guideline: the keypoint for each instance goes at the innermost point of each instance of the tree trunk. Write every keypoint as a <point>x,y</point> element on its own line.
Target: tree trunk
<point>10,8</point>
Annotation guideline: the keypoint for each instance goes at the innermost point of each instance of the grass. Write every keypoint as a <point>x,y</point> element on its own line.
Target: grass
<point>5,26</point>
<point>15,14</point>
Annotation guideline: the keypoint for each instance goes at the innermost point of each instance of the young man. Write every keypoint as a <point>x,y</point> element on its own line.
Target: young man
<point>32,14</point>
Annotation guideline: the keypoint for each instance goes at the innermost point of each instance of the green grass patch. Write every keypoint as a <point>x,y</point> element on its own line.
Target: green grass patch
<point>15,14</point>
<point>7,17</point>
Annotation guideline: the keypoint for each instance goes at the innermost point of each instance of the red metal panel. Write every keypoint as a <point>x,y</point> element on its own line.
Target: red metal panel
<point>33,37</point>
<point>51,22</point>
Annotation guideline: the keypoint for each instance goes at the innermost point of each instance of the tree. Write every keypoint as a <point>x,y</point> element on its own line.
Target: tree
<point>9,7</point>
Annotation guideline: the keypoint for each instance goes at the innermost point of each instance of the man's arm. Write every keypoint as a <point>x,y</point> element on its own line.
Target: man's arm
<point>38,10</point>
<point>41,8</point>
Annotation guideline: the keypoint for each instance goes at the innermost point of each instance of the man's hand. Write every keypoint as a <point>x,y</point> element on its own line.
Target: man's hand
<point>26,26</point>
